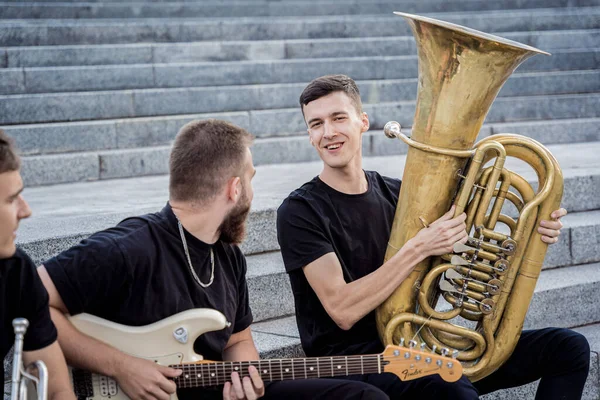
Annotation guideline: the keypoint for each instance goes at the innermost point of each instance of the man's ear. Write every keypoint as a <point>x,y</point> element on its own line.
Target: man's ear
<point>234,188</point>
<point>365,122</point>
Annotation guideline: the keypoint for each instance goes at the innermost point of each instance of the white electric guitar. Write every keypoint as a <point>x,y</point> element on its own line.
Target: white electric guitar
<point>170,342</point>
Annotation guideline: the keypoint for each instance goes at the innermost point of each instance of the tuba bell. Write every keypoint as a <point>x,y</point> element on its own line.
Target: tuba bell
<point>21,377</point>
<point>472,303</point>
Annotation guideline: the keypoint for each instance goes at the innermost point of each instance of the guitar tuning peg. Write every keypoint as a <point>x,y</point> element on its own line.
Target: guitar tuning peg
<point>423,346</point>
<point>445,352</point>
<point>412,344</point>
<point>433,348</point>
<point>455,354</point>
<point>402,342</point>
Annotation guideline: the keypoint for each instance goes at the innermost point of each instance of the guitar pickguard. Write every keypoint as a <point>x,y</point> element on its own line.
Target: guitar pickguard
<point>90,386</point>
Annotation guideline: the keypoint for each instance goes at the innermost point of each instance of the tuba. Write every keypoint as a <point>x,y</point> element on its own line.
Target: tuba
<point>21,377</point>
<point>472,303</point>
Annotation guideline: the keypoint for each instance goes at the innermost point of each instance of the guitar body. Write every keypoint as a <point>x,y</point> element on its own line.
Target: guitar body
<point>166,342</point>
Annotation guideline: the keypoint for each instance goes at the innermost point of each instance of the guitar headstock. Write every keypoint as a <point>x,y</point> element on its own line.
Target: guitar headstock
<point>409,363</point>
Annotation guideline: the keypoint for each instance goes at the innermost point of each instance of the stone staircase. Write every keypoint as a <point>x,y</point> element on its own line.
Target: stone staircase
<point>94,92</point>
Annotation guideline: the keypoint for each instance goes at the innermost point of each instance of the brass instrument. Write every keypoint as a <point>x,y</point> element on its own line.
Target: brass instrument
<point>21,378</point>
<point>486,287</point>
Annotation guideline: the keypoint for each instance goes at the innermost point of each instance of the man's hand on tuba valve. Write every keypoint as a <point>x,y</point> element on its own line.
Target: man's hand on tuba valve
<point>440,236</point>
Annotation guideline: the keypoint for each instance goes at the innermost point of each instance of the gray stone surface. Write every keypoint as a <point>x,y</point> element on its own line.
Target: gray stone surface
<point>218,51</point>
<point>283,326</point>
<point>52,169</point>
<point>580,190</point>
<point>585,239</point>
<point>558,290</point>
<point>544,107</point>
<point>154,131</point>
<point>222,9</point>
<point>557,131</point>
<point>270,295</point>
<point>567,40</point>
<point>73,79</point>
<point>283,150</point>
<point>82,78</point>
<point>31,108</point>
<point>275,346</point>
<point>135,162</point>
<point>12,81</point>
<point>64,32</point>
<point>63,211</point>
<point>160,131</point>
<point>530,84</point>
<point>388,97</point>
<point>61,137</point>
<point>78,55</point>
<point>570,48</point>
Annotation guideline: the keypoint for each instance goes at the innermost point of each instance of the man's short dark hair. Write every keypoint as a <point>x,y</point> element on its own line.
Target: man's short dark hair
<point>328,84</point>
<point>9,160</point>
<point>204,156</point>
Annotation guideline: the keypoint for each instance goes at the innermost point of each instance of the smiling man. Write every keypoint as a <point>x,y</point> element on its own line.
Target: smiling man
<point>333,232</point>
<point>22,294</point>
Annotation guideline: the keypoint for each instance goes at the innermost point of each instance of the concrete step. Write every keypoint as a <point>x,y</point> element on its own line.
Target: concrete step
<point>279,339</point>
<point>42,139</point>
<point>282,122</point>
<point>211,9</point>
<point>572,40</point>
<point>64,214</point>
<point>271,295</point>
<point>69,32</point>
<point>383,96</point>
<point>132,162</point>
<point>557,289</point>
<point>140,76</point>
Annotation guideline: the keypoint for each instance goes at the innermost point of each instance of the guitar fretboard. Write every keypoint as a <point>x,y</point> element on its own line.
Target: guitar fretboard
<point>217,373</point>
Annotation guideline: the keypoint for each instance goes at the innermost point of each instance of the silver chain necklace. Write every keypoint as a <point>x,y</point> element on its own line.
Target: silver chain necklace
<point>187,254</point>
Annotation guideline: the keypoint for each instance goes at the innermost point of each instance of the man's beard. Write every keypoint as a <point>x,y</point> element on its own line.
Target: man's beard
<point>233,228</point>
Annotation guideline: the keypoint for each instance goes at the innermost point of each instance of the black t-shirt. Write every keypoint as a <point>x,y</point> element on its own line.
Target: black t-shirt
<point>315,220</point>
<point>137,273</point>
<point>23,296</point>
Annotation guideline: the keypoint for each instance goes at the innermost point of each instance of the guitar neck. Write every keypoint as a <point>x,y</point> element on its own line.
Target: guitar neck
<point>217,373</point>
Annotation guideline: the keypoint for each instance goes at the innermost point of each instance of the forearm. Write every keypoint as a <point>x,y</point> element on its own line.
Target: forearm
<point>59,386</point>
<point>356,299</point>
<point>244,350</point>
<point>83,351</point>
<point>62,395</point>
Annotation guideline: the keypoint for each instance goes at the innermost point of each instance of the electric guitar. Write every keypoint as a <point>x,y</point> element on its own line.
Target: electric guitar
<point>170,342</point>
